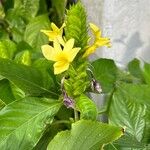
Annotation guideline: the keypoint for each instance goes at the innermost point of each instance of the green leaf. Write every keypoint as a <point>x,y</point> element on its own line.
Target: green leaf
<point>30,7</point>
<point>16,23</point>
<point>146,73</point>
<point>85,134</point>
<point>17,92</point>
<point>32,34</point>
<point>128,108</point>
<point>105,72</point>
<point>46,67</point>
<point>26,78</point>
<point>135,69</point>
<point>2,104</point>
<point>76,25</point>
<point>6,94</point>
<point>7,49</point>
<point>23,57</point>
<point>58,11</point>
<point>86,107</point>
<point>23,122</point>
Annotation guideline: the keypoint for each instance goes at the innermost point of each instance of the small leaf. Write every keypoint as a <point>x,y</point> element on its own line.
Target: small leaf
<point>85,135</point>
<point>86,107</point>
<point>32,34</point>
<point>27,78</point>
<point>135,69</point>
<point>76,25</point>
<point>7,49</point>
<point>23,122</point>
<point>105,72</point>
<point>23,57</point>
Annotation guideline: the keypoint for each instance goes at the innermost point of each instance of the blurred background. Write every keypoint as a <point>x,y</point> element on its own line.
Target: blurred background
<point>127,23</point>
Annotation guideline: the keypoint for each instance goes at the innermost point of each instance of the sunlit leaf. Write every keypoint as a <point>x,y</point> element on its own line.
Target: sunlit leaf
<point>23,122</point>
<point>85,135</point>
<point>27,78</point>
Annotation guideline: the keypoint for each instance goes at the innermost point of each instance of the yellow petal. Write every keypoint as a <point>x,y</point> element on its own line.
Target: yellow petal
<point>96,31</point>
<point>72,54</point>
<point>51,34</point>
<point>69,45</point>
<point>61,41</point>
<point>54,27</point>
<point>63,25</point>
<point>60,67</point>
<point>102,42</point>
<point>89,51</point>
<point>49,52</point>
<point>57,46</point>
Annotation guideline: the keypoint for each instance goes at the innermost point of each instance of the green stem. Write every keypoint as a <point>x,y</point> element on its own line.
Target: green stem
<point>76,116</point>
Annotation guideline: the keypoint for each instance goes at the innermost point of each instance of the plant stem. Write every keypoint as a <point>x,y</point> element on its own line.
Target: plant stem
<point>76,117</point>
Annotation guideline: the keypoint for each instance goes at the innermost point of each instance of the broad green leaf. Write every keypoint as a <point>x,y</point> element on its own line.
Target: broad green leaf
<point>128,108</point>
<point>27,78</point>
<point>6,94</point>
<point>135,69</point>
<point>33,36</point>
<point>23,122</point>
<point>7,49</point>
<point>105,72</point>
<point>46,67</point>
<point>30,7</point>
<point>85,135</point>
<point>86,107</point>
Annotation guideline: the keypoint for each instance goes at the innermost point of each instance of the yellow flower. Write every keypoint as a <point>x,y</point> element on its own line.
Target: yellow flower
<point>62,57</point>
<point>98,41</point>
<point>55,33</point>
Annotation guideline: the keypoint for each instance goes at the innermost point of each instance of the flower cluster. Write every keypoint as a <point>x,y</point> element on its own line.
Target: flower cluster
<point>64,56</point>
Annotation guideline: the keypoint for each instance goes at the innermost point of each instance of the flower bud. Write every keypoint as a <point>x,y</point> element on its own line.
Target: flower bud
<point>96,86</point>
<point>68,101</point>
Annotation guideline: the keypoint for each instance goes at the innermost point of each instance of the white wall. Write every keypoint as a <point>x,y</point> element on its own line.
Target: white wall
<point>127,23</point>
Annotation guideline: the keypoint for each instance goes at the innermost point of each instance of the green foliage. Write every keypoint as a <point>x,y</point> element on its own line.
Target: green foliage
<point>126,110</point>
<point>27,78</point>
<point>76,25</point>
<point>6,94</point>
<point>32,34</point>
<point>22,122</point>
<point>58,11</point>
<point>42,122</point>
<point>7,49</point>
<point>87,108</point>
<point>105,72</point>
<point>94,137</point>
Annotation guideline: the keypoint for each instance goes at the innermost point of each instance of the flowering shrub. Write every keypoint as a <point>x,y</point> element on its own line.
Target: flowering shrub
<point>46,81</point>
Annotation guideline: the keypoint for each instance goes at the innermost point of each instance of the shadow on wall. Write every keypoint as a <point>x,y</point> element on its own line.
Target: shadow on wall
<point>133,44</point>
